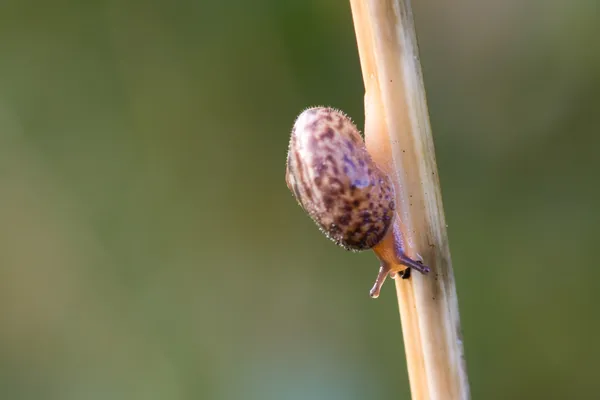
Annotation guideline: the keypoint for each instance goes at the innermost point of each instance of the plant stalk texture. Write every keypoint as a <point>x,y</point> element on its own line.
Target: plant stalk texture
<point>398,137</point>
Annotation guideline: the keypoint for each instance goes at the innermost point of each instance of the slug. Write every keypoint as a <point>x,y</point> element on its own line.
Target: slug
<point>334,179</point>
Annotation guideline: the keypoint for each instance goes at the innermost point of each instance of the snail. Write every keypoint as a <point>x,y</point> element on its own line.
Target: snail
<point>335,180</point>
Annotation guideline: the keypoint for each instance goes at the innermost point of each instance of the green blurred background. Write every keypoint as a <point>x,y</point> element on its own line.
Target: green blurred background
<point>149,248</point>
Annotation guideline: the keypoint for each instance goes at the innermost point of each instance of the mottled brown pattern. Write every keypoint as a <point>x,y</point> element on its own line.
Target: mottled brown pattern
<point>335,180</point>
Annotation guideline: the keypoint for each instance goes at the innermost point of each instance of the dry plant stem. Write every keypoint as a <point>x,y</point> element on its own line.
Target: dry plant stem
<point>398,136</point>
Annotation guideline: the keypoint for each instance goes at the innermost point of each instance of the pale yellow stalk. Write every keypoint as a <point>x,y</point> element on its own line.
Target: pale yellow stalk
<point>398,136</point>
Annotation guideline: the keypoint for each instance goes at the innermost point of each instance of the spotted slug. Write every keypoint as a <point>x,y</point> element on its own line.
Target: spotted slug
<point>335,180</point>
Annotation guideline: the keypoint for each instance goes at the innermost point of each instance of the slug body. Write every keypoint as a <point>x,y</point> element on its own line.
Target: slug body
<point>350,198</point>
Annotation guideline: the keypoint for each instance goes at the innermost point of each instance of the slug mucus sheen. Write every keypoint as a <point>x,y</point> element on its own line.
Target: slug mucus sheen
<point>335,180</point>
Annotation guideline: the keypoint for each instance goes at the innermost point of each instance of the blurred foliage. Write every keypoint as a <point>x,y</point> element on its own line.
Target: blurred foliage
<point>149,248</point>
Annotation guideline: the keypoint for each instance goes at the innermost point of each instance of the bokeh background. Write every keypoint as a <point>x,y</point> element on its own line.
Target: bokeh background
<point>149,248</point>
